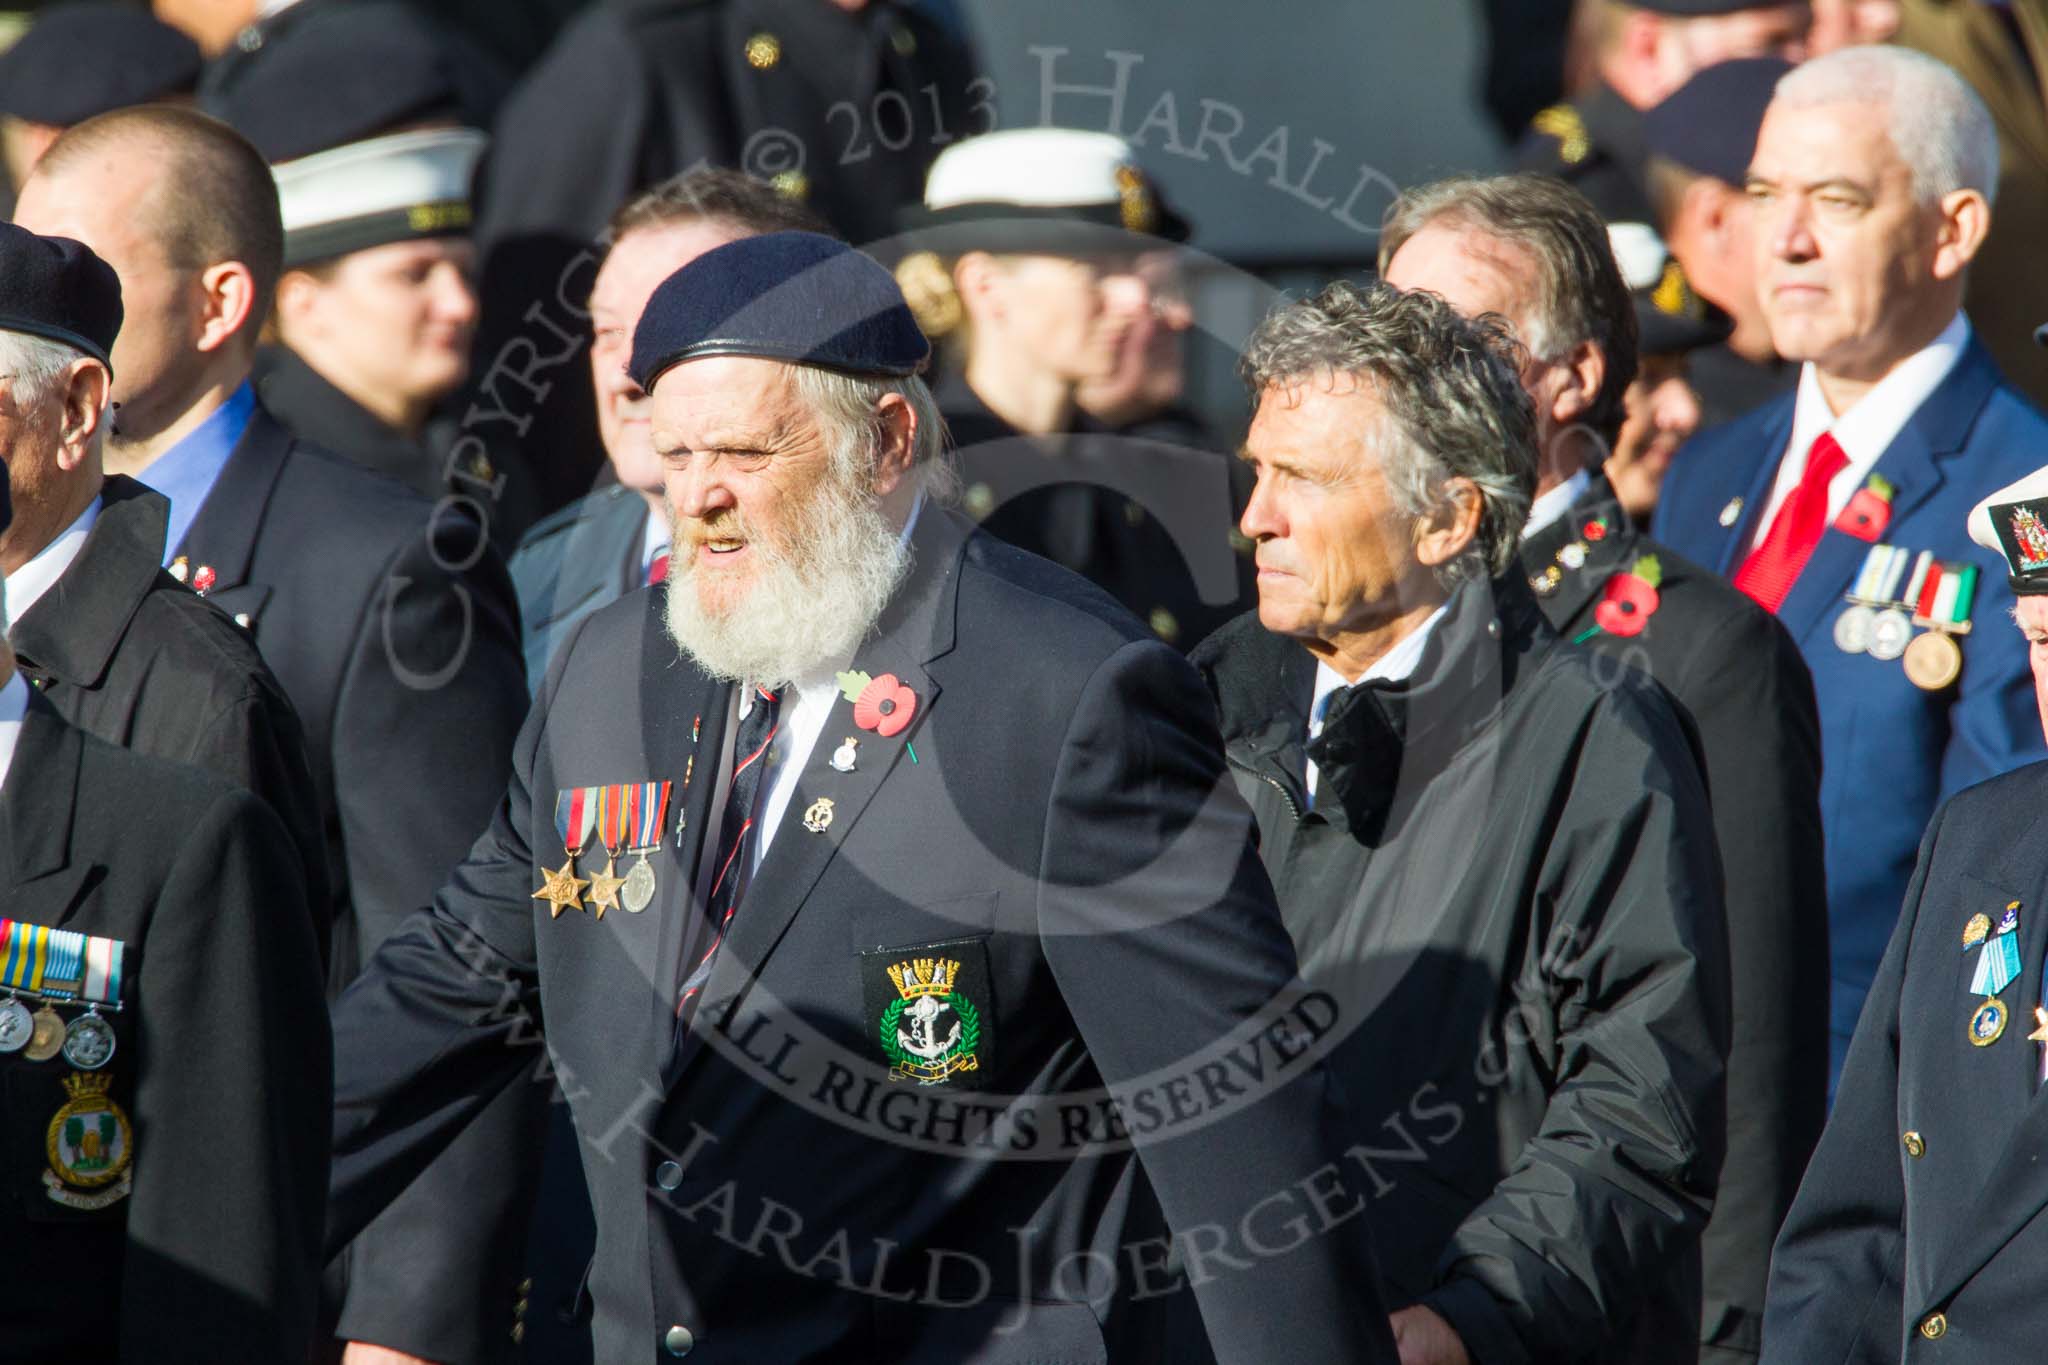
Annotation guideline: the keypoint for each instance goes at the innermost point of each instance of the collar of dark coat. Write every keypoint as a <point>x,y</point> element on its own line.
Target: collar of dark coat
<point>317,412</point>
<point>223,535</point>
<point>38,799</point>
<point>1578,588</point>
<point>70,634</point>
<point>1263,684</point>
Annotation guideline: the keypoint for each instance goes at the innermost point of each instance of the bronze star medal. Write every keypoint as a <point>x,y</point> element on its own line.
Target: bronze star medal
<point>604,889</point>
<point>562,890</point>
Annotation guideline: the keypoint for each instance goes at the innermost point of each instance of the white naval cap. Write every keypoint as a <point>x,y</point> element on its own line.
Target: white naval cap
<point>1047,185</point>
<point>384,189</point>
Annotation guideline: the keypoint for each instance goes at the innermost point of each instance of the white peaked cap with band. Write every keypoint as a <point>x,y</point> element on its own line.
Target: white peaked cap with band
<point>381,190</point>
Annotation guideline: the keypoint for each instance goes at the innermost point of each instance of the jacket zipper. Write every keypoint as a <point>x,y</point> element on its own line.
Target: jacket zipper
<point>1269,780</point>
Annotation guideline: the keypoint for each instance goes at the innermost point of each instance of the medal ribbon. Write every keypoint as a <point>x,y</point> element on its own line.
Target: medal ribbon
<point>575,812</point>
<point>650,810</point>
<point>614,811</point>
<point>62,964</point>
<point>1997,965</point>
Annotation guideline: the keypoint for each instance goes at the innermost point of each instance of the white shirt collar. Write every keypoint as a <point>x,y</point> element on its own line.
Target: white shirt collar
<point>27,584</point>
<point>13,710</point>
<point>654,539</point>
<point>1396,665</point>
<point>1868,428</point>
<point>1548,507</point>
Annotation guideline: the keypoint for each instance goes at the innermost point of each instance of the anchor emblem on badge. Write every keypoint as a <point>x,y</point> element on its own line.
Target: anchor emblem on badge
<point>818,818</point>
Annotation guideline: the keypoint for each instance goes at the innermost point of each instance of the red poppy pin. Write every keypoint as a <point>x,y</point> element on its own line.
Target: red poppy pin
<point>882,704</point>
<point>1870,511</point>
<point>1594,530</point>
<point>1630,599</point>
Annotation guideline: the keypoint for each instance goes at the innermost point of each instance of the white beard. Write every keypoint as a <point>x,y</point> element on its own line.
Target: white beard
<point>812,602</point>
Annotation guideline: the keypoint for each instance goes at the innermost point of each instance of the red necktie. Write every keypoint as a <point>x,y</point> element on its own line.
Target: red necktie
<point>1771,569</point>
<point>657,569</point>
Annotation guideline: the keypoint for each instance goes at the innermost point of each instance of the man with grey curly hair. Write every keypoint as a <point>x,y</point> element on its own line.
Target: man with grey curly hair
<point>1489,846</point>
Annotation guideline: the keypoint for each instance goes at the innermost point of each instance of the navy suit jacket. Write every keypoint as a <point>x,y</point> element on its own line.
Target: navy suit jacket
<point>1890,752</point>
<point>573,561</point>
<point>1920,1229</point>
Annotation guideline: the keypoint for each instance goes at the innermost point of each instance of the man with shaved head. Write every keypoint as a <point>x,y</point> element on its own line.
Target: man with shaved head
<point>387,619</point>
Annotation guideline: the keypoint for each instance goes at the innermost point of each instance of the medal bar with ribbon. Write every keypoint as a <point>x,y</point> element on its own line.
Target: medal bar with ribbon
<point>1876,621</point>
<point>575,813</point>
<point>614,825</point>
<point>649,810</point>
<point>60,966</point>
<point>1934,660</point>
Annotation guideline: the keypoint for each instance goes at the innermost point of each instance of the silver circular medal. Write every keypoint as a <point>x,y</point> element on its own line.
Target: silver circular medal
<point>638,892</point>
<point>1890,632</point>
<point>88,1042</point>
<point>1852,629</point>
<point>1573,556</point>
<point>17,1025</point>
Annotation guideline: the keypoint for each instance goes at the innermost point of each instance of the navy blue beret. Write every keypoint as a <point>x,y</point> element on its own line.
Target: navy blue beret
<point>1709,124</point>
<point>78,60</point>
<point>56,288</point>
<point>794,296</point>
<point>1699,9</point>
<point>341,74</point>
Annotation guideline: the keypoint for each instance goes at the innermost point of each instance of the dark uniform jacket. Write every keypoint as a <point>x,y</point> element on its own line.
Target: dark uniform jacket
<point>574,561</point>
<point>1053,836</point>
<point>1918,1233</point>
<point>1509,883</point>
<point>209,1249</point>
<point>128,653</point>
<point>1739,680</point>
<point>439,464</point>
<point>845,111</point>
<point>1147,520</point>
<point>1595,144</point>
<point>394,634</point>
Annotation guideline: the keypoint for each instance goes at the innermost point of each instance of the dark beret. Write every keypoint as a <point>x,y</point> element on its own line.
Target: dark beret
<point>342,74</point>
<point>1709,124</point>
<point>1699,9</point>
<point>82,59</point>
<point>792,296</point>
<point>56,288</point>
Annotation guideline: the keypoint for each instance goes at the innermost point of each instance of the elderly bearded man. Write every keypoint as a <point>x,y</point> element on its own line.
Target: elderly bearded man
<point>934,843</point>
<point>1490,846</point>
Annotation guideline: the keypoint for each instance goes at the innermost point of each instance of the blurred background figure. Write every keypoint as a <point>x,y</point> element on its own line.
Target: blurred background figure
<point>1700,141</point>
<point>2000,49</point>
<point>372,128</point>
<point>1845,23</point>
<point>374,312</point>
<point>1142,395</point>
<point>1660,408</point>
<point>1640,54</point>
<point>81,59</point>
<point>630,95</point>
<point>1029,270</point>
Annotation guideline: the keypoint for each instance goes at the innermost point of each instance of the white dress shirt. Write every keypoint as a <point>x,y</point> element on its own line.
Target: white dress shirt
<point>654,541</point>
<point>1867,428</point>
<point>13,710</point>
<point>1393,666</point>
<point>28,583</point>
<point>1548,507</point>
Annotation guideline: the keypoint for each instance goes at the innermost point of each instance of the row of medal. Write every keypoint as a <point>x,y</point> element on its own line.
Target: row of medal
<point>624,816</point>
<point>1895,591</point>
<point>53,967</point>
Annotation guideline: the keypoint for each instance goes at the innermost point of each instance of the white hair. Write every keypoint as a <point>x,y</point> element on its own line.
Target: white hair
<point>32,366</point>
<point>1940,127</point>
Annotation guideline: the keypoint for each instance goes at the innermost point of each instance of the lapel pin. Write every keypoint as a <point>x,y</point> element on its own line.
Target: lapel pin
<point>180,568</point>
<point>696,727</point>
<point>818,817</point>
<point>1731,511</point>
<point>203,578</point>
<point>843,757</point>
<point>1869,511</point>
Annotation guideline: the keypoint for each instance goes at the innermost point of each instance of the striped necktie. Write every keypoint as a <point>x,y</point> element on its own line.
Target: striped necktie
<point>736,839</point>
